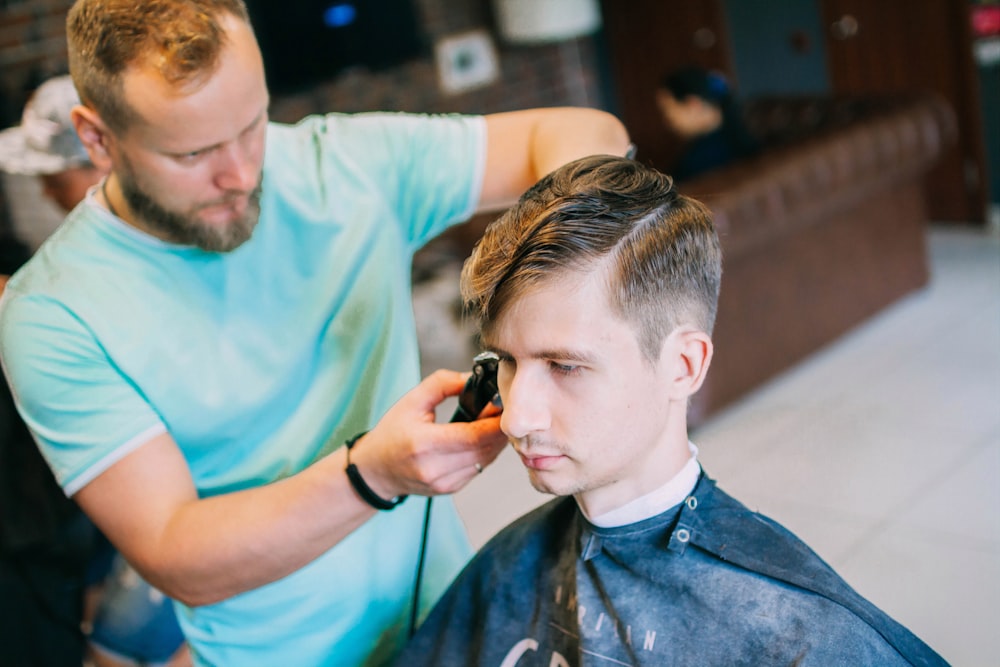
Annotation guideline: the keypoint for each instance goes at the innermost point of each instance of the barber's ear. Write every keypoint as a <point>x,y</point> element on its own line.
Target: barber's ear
<point>93,134</point>
<point>690,352</point>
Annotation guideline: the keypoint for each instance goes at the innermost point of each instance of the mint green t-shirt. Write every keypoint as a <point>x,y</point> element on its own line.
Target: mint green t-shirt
<point>258,362</point>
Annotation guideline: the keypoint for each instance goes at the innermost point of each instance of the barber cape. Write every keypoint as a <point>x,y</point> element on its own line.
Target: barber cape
<point>706,583</point>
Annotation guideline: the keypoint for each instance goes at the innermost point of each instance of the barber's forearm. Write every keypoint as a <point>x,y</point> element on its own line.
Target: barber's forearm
<point>523,146</point>
<point>261,535</point>
<point>203,551</point>
<point>573,134</point>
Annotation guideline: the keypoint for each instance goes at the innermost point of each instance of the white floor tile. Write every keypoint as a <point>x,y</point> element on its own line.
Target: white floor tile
<point>963,503</point>
<point>945,592</point>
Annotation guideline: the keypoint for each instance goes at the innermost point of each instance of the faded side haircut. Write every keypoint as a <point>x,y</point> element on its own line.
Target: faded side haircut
<point>659,248</point>
<point>181,39</point>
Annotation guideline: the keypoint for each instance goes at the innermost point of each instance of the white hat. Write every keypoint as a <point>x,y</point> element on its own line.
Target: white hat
<point>45,142</point>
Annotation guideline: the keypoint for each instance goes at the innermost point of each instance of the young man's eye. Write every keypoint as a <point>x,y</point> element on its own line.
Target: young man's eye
<point>564,369</point>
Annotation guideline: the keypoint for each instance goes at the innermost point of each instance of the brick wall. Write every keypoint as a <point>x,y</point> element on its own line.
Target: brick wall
<point>32,48</point>
<point>545,75</point>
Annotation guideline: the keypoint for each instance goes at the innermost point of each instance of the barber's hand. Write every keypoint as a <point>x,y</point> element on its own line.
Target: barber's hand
<point>408,453</point>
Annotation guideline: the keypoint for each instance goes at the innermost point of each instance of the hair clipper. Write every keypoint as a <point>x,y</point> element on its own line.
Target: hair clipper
<point>480,389</point>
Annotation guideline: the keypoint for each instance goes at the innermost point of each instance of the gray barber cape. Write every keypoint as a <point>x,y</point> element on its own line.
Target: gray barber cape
<point>706,583</point>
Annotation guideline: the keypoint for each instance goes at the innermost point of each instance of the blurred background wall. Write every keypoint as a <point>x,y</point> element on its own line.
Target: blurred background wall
<point>839,47</point>
<point>397,55</point>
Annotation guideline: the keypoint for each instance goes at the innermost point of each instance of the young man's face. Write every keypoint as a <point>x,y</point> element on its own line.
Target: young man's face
<point>588,414</point>
<point>190,165</point>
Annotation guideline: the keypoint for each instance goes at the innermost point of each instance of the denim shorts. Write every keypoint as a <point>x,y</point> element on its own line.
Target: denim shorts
<point>134,621</point>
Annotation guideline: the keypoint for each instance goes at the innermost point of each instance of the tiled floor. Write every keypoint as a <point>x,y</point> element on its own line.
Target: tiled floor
<point>882,451</point>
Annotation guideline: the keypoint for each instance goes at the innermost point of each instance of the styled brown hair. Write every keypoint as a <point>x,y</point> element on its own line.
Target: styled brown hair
<point>659,248</point>
<point>182,39</point>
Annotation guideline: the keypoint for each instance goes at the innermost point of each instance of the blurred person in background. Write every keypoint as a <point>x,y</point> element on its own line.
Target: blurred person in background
<point>63,585</point>
<point>705,120</point>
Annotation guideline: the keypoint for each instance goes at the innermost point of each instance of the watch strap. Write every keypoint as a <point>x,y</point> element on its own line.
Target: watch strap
<point>361,487</point>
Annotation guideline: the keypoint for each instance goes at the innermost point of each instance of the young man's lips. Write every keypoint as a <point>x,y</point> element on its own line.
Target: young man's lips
<point>540,462</point>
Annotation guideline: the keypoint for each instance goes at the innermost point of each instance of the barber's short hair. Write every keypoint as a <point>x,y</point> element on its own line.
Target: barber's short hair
<point>658,247</point>
<point>182,39</point>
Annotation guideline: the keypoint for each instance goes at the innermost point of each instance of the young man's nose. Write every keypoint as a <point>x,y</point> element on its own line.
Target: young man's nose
<point>525,407</point>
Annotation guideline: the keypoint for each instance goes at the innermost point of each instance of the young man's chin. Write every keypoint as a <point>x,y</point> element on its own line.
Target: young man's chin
<point>550,483</point>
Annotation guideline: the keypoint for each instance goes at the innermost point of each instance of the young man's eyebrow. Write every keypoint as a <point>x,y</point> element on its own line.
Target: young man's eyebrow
<point>563,354</point>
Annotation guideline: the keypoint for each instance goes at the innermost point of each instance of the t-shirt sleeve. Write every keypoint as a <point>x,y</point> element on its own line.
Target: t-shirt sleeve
<point>83,413</point>
<point>429,168</point>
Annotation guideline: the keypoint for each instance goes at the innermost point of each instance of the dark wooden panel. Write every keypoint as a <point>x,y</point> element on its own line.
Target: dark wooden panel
<point>650,38</point>
<point>811,286</point>
<point>902,45</point>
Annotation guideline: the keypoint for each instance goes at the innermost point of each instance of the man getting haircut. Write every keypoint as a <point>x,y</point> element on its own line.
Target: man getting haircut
<point>598,293</point>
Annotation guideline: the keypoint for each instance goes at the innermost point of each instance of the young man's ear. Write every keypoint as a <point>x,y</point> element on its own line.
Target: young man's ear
<point>94,135</point>
<point>690,350</point>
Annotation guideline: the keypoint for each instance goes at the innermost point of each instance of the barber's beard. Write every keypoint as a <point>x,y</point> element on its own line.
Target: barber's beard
<point>186,228</point>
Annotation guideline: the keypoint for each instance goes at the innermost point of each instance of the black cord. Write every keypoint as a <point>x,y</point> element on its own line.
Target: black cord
<point>420,568</point>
